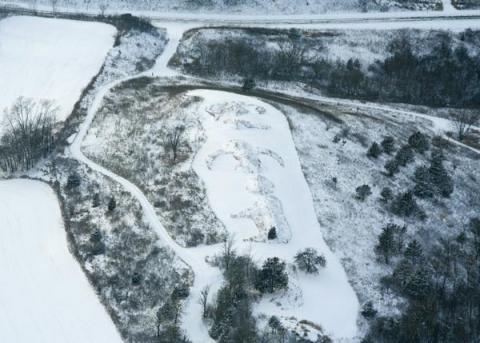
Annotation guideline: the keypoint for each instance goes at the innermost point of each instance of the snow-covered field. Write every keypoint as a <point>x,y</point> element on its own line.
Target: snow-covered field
<point>44,295</point>
<point>254,182</point>
<point>50,59</point>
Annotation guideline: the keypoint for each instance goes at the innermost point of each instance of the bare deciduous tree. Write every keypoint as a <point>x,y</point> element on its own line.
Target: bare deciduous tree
<point>228,252</point>
<point>290,58</point>
<point>27,134</point>
<point>173,141</point>
<point>464,120</point>
<point>33,5</point>
<point>54,4</point>
<point>87,4</point>
<point>103,8</point>
<point>204,300</point>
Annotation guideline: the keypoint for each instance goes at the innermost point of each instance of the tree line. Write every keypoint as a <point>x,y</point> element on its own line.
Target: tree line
<point>446,75</point>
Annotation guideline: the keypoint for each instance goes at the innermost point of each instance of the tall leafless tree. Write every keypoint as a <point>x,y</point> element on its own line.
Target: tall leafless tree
<point>28,130</point>
<point>103,8</point>
<point>464,120</point>
<point>204,300</point>
<point>54,4</point>
<point>33,5</point>
<point>174,140</point>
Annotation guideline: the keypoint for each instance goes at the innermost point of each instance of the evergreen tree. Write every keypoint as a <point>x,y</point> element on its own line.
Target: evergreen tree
<point>386,243</point>
<point>392,167</point>
<point>413,252</point>
<point>112,204</point>
<point>272,233</point>
<point>272,276</point>
<point>439,176</point>
<point>248,85</point>
<point>418,286</point>
<point>96,200</point>
<point>368,311</point>
<point>424,187</point>
<point>374,151</point>
<point>73,181</point>
<point>388,145</point>
<point>97,244</point>
<point>404,156</point>
<point>386,194</point>
<point>362,192</point>
<point>419,142</point>
<point>405,205</point>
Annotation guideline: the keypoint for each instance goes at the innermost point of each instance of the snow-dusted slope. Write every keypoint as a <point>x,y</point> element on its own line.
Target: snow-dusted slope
<point>44,295</point>
<point>50,59</point>
<point>254,182</point>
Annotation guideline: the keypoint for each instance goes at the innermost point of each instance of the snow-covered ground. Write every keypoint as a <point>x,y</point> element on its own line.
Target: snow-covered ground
<point>264,174</point>
<point>50,59</point>
<point>254,182</point>
<point>44,295</point>
<point>286,201</point>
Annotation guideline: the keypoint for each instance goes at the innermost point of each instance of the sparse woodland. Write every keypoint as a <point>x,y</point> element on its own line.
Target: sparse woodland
<point>27,134</point>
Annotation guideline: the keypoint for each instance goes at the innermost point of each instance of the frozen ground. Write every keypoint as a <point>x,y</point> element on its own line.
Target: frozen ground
<point>254,182</point>
<point>44,297</point>
<point>50,59</point>
<point>247,151</point>
<point>258,173</point>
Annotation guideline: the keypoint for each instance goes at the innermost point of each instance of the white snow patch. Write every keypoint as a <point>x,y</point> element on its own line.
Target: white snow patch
<point>259,175</point>
<point>50,59</point>
<point>44,295</point>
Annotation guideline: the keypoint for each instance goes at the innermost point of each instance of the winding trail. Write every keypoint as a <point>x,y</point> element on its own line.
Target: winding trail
<point>203,273</point>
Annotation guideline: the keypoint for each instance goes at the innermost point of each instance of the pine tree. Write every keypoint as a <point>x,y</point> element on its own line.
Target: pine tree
<point>392,167</point>
<point>386,243</point>
<point>368,311</point>
<point>388,145</point>
<point>424,187</point>
<point>386,194</point>
<point>405,205</point>
<point>112,204</point>
<point>272,276</point>
<point>418,286</point>
<point>96,200</point>
<point>404,156</point>
<point>374,151</point>
<point>439,176</point>
<point>362,192</point>
<point>413,252</point>
<point>73,181</point>
<point>419,142</point>
<point>272,233</point>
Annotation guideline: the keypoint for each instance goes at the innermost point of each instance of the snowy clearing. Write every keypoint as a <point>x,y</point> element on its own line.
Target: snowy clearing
<point>44,296</point>
<point>50,59</point>
<point>249,152</point>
